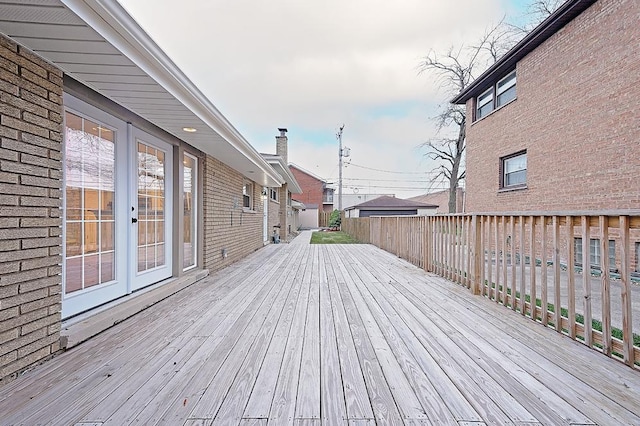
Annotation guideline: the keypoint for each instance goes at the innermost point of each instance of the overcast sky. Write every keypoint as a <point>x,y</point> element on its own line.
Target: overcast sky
<point>311,66</point>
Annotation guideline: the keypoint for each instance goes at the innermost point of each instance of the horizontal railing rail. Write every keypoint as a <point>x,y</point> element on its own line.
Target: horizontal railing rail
<point>576,272</point>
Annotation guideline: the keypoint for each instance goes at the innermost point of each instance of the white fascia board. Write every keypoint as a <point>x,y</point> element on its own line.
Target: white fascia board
<point>281,167</point>
<point>111,21</point>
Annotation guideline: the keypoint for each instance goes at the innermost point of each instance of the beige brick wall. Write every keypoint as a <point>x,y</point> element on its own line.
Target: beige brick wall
<point>226,225</point>
<point>30,223</point>
<point>274,215</point>
<point>577,113</point>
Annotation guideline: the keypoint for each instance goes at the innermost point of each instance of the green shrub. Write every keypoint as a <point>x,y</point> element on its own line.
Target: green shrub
<point>334,219</point>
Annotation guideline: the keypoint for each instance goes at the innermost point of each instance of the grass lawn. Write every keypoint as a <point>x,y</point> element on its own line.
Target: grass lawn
<point>332,237</point>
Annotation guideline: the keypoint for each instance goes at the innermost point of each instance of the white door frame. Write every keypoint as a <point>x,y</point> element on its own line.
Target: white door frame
<point>138,280</point>
<point>82,300</point>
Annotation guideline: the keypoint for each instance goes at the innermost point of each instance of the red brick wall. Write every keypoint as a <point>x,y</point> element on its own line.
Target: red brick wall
<point>30,224</point>
<point>226,225</point>
<point>576,113</point>
<point>312,188</point>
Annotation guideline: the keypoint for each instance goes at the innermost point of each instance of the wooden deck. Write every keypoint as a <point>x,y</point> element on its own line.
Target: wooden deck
<point>325,335</point>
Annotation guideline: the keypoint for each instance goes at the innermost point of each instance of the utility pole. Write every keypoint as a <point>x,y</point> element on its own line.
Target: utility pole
<point>339,136</point>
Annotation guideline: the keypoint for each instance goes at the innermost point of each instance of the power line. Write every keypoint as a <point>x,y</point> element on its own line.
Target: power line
<point>388,180</point>
<point>392,171</point>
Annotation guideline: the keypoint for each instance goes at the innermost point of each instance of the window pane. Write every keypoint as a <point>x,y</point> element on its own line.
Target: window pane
<point>73,274</point>
<point>515,164</point>
<point>91,270</point>
<point>189,216</point>
<point>107,267</point>
<point>483,111</point>
<point>516,178</point>
<point>507,96</point>
<point>594,251</point>
<point>612,254</point>
<point>507,83</point>
<point>577,251</point>
<point>89,199</point>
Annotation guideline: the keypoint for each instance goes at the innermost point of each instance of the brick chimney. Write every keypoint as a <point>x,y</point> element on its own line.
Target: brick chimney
<point>281,145</point>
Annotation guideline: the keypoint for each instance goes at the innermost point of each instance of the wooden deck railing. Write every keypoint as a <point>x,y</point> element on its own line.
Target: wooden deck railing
<point>575,272</point>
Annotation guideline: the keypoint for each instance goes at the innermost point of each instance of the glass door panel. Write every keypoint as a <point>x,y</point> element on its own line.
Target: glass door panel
<point>153,209</point>
<point>89,194</point>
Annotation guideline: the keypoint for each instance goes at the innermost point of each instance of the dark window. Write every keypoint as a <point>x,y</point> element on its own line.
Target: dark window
<point>514,170</point>
<point>273,194</point>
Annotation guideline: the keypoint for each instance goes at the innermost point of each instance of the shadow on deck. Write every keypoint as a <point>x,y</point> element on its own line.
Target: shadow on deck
<point>346,334</point>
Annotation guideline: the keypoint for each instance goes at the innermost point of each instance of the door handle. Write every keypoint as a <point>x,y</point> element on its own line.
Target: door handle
<point>134,220</point>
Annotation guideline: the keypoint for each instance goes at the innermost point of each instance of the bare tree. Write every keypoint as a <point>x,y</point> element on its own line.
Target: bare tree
<point>455,70</point>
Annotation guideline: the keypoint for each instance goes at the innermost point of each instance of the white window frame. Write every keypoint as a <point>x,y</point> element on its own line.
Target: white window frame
<point>273,195</point>
<point>247,195</point>
<point>195,201</point>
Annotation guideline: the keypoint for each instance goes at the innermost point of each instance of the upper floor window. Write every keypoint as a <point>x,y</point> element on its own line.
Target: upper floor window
<point>506,90</point>
<point>496,96</point>
<point>485,104</point>
<point>247,195</point>
<point>514,170</point>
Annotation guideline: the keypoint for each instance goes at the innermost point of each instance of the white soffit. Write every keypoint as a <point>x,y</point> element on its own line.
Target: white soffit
<point>99,44</point>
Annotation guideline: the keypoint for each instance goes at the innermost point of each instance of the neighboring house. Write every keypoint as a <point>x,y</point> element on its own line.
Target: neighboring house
<point>316,195</point>
<point>441,199</point>
<point>553,125</point>
<point>116,174</point>
<point>390,206</point>
<point>278,212</point>
<point>349,200</point>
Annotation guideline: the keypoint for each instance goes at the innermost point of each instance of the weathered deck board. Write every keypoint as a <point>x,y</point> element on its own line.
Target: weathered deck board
<point>325,335</point>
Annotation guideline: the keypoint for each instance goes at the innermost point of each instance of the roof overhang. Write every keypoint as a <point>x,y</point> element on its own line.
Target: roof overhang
<point>278,163</point>
<point>297,205</point>
<point>558,19</point>
<point>100,45</point>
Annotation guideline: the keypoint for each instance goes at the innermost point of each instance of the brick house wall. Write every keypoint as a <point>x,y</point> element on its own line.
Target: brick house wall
<point>312,188</point>
<point>226,225</point>
<point>576,114</point>
<point>30,201</point>
<point>274,216</point>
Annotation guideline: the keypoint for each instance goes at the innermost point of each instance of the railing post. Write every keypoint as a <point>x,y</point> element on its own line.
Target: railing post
<point>477,246</point>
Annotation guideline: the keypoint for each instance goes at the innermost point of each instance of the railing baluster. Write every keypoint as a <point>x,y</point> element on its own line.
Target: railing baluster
<point>505,284</point>
<point>606,287</point>
<point>586,281</point>
<point>556,274</point>
<point>523,276</point>
<point>543,271</point>
<point>571,305</point>
<point>498,256</point>
<point>489,259</point>
<point>532,270</point>
<point>512,233</point>
<point>625,268</point>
